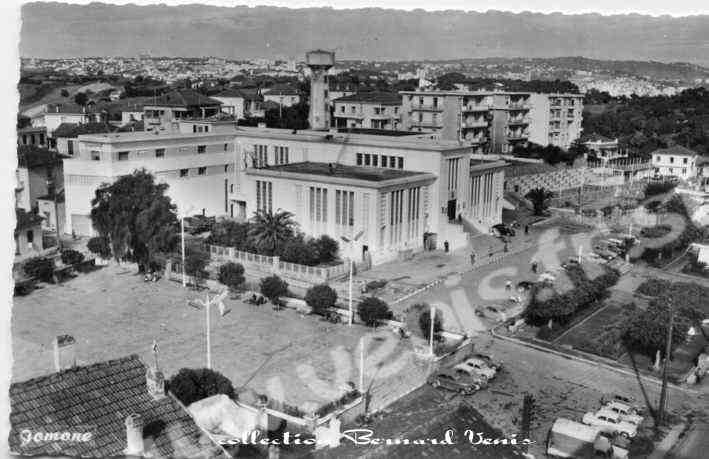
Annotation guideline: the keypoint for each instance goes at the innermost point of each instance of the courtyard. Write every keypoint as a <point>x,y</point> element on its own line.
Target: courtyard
<point>300,360</point>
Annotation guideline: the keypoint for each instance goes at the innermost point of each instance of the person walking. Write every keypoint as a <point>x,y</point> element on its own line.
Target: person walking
<point>534,266</point>
<point>526,230</point>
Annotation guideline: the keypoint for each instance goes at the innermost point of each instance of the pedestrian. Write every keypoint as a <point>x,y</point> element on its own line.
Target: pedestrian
<point>534,266</point>
<point>526,230</point>
<point>446,246</point>
<point>508,285</point>
<point>472,258</point>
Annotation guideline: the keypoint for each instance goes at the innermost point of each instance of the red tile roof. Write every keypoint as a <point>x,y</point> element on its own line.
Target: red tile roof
<point>98,398</point>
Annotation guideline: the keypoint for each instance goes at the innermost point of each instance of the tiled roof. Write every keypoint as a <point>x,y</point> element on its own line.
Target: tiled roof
<point>98,398</point>
<point>183,98</point>
<point>280,89</point>
<point>74,129</point>
<point>244,93</point>
<point>676,150</point>
<point>31,156</point>
<point>68,107</point>
<point>373,97</point>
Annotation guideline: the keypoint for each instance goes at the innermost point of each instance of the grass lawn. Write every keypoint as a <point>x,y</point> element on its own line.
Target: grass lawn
<point>112,313</point>
<point>595,334</point>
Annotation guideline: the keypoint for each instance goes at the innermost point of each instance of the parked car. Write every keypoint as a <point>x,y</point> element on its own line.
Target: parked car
<point>473,366</point>
<point>610,422</point>
<point>502,230</point>
<point>456,381</point>
<point>494,313</point>
<point>626,412</point>
<point>625,400</point>
<point>489,361</point>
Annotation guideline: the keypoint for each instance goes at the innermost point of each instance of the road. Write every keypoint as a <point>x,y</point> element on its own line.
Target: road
<point>695,443</point>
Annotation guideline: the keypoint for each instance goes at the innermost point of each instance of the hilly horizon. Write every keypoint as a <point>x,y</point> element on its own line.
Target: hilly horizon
<point>55,30</point>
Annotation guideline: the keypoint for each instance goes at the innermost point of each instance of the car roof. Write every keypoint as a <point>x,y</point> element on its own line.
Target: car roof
<point>618,404</point>
<point>609,414</point>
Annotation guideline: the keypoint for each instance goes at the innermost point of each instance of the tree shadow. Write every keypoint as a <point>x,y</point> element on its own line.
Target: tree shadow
<point>646,397</point>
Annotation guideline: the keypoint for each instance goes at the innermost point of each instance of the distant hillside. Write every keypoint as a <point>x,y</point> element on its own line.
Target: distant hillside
<point>63,30</point>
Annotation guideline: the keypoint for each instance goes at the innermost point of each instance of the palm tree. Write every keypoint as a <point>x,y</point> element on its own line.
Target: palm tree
<point>271,230</point>
<point>540,199</point>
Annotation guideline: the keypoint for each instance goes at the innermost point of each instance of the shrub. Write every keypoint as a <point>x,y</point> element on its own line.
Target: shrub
<point>40,268</point>
<point>320,298</point>
<point>371,310</point>
<point>273,287</point>
<point>299,250</point>
<point>327,249</point>
<point>232,275</point>
<point>100,246</point>
<point>193,384</point>
<point>72,257</point>
<point>374,285</point>
<point>425,324</point>
<point>653,287</point>
<point>655,231</point>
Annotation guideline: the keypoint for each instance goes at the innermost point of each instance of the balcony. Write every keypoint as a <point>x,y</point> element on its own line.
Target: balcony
<point>517,135</point>
<point>474,124</point>
<point>350,115</point>
<point>518,106</point>
<point>518,121</point>
<point>476,139</point>
<point>426,108</point>
<point>475,108</point>
<point>426,124</point>
<point>385,116</point>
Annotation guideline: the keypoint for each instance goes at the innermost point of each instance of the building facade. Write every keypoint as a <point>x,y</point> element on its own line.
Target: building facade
<point>555,119</point>
<point>676,161</point>
<point>368,110</point>
<point>403,192</point>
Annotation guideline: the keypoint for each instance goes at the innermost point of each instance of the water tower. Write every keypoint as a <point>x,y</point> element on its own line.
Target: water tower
<point>319,62</point>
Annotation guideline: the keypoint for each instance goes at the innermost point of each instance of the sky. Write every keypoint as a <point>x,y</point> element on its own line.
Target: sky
<point>652,7</point>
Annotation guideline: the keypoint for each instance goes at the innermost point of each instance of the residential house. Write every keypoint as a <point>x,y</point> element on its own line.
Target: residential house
<point>368,110</point>
<point>164,113</point>
<point>677,161</point>
<point>65,135</point>
<point>39,171</point>
<point>555,119</point>
<point>115,408</point>
<point>603,148</point>
<point>246,102</point>
<point>29,135</point>
<point>284,96</point>
<point>56,114</point>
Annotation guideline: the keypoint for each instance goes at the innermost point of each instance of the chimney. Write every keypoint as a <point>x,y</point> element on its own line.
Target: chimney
<point>64,354</point>
<point>155,382</point>
<point>134,435</point>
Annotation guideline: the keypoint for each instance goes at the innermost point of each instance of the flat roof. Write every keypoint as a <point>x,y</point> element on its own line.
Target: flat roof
<point>340,173</point>
<point>141,136</point>
<point>457,92</point>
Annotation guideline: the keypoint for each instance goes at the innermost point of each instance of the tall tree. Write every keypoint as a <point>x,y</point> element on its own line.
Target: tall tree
<point>270,230</point>
<point>136,216</point>
<point>540,199</point>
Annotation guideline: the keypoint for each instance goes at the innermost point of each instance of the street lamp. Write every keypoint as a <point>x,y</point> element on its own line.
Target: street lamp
<point>351,243</point>
<point>199,304</point>
<point>182,243</point>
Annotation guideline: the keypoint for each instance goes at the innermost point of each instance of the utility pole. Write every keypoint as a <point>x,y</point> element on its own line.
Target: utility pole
<point>668,351</point>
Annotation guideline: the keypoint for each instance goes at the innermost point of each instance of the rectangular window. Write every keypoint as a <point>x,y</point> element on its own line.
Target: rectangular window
<point>344,208</point>
<point>201,148</point>
<point>280,155</point>
<point>226,168</point>
<point>201,170</point>
<point>392,162</point>
<point>672,159</point>
<point>159,152</point>
<point>684,160</point>
<point>401,162</point>
<point>96,155</point>
<point>184,172</point>
<point>342,109</point>
<point>375,160</point>
<point>70,146</point>
<point>318,204</point>
<point>226,147</point>
<point>367,159</point>
<point>385,158</point>
<point>122,156</point>
<point>231,188</point>
<point>359,159</point>
<point>264,196</point>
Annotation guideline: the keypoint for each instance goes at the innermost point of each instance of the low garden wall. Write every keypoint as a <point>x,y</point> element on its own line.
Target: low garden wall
<point>273,265</point>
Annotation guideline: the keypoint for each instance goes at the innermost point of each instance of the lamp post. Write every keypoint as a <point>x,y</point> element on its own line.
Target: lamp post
<point>430,338</point>
<point>217,299</point>
<point>351,243</point>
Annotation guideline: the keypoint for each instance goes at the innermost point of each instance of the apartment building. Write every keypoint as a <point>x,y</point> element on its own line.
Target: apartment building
<point>510,125</point>
<point>555,119</point>
<point>241,103</point>
<point>452,115</point>
<point>675,161</point>
<point>368,110</point>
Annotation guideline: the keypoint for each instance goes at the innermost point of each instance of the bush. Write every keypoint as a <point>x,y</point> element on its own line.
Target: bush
<point>320,298</point>
<point>100,246</point>
<point>273,287</point>
<point>653,287</point>
<point>40,268</point>
<point>656,231</point>
<point>232,275</point>
<point>425,324</point>
<point>371,310</point>
<point>72,257</point>
<point>190,385</point>
<point>327,249</point>
<point>655,188</point>
<point>299,250</point>
<point>374,285</point>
